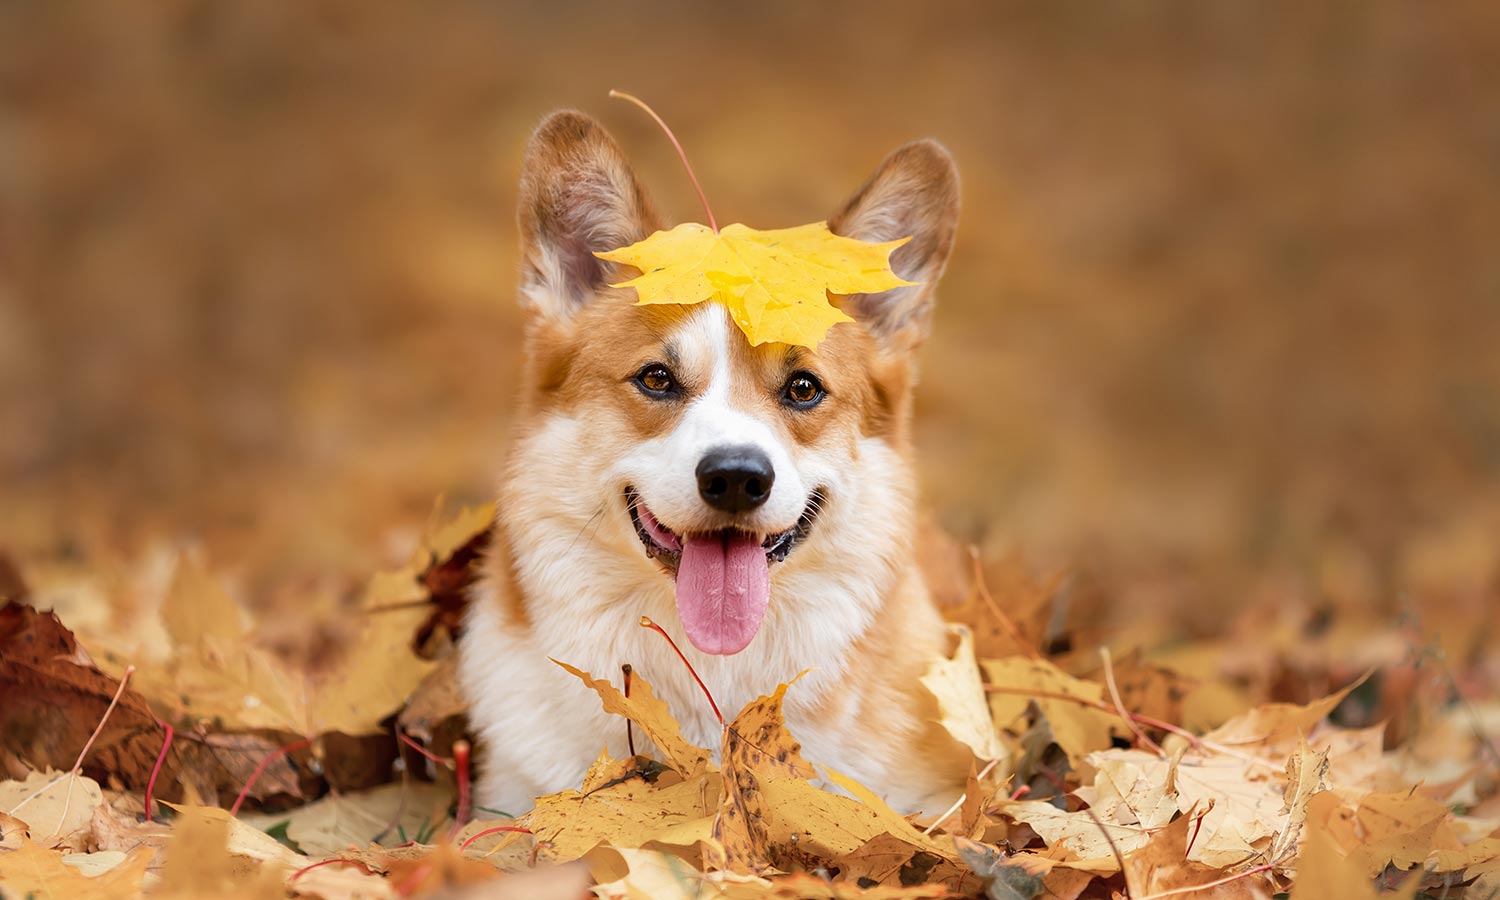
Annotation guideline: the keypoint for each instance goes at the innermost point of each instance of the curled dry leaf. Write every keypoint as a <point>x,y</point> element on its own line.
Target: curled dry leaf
<point>1162,865</point>
<point>1306,775</point>
<point>651,715</point>
<point>52,695</point>
<point>962,705</point>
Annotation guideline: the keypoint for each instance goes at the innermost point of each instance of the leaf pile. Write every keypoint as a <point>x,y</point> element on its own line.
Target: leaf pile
<point>1145,775</point>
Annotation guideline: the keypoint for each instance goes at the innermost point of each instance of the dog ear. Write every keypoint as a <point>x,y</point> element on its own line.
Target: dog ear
<point>578,195</point>
<point>913,193</point>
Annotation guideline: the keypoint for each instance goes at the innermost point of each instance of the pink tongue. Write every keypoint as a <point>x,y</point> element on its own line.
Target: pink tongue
<point>723,586</point>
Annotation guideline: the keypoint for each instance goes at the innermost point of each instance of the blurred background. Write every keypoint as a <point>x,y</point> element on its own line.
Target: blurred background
<point>1224,309</point>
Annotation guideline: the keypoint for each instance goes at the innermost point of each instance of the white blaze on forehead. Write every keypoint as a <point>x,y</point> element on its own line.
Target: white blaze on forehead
<point>668,477</point>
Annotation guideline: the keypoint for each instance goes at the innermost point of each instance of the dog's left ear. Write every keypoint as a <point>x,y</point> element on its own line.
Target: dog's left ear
<point>913,193</point>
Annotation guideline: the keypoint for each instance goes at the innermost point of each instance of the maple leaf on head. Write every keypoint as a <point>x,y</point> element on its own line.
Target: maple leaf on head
<point>775,283</point>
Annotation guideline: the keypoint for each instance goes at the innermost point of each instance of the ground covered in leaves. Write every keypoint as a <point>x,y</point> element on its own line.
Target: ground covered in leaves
<point>1212,384</point>
<point>157,739</point>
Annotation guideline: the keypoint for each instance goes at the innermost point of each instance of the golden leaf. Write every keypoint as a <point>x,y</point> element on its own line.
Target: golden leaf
<point>40,874</point>
<point>775,283</point>
<point>964,710</point>
<point>757,746</point>
<point>648,711</point>
<point>1079,727</point>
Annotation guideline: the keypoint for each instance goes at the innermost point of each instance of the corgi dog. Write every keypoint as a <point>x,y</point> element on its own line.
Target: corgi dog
<point>758,503</point>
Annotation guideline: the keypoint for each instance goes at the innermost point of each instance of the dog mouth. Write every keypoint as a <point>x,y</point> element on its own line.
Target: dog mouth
<point>722,578</point>
<point>665,545</point>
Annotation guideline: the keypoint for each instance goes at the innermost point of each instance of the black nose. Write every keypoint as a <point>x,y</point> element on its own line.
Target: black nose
<point>735,479</point>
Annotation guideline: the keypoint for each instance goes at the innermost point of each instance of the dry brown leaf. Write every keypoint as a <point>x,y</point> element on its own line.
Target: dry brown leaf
<point>807,823</point>
<point>197,606</point>
<point>52,695</point>
<point>34,873</point>
<point>1240,804</point>
<point>1151,689</point>
<point>1010,616</point>
<point>628,814</point>
<point>1082,838</point>
<point>1306,775</point>
<point>245,847</point>
<point>890,860</point>
<point>1323,872</point>
<point>52,804</point>
<point>437,699</point>
<point>356,818</point>
<point>12,832</point>
<point>655,875</point>
<point>1080,728</point>
<point>653,717</point>
<point>1162,865</point>
<point>757,746</point>
<point>1276,729</point>
<point>963,708</point>
<point>1132,787</point>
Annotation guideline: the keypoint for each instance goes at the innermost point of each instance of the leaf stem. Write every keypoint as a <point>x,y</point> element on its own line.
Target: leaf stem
<point>161,757</point>
<point>681,154</point>
<point>276,754</point>
<point>647,623</point>
<point>461,763</point>
<point>498,829</point>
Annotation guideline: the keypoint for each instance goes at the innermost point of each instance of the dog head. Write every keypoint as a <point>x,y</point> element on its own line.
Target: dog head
<point>658,437</point>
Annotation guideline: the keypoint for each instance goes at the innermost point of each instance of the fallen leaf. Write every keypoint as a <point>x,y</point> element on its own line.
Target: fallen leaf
<point>774,283</point>
<point>1132,787</point>
<point>197,606</point>
<point>1079,728</point>
<point>1276,729</point>
<point>963,708</point>
<point>1322,872</point>
<point>757,746</point>
<point>1082,837</point>
<point>1005,878</point>
<point>1162,866</point>
<point>52,804</point>
<point>807,823</point>
<point>1306,775</point>
<point>628,814</point>
<point>441,867</point>
<point>52,695</point>
<point>33,873</point>
<point>650,713</point>
<point>357,818</point>
<point>436,700</point>
<point>655,875</point>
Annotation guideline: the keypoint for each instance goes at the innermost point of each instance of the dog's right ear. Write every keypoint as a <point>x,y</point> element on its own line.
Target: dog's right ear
<point>578,195</point>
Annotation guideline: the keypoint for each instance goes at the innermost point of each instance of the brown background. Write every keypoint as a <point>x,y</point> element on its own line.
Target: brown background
<point>1226,298</point>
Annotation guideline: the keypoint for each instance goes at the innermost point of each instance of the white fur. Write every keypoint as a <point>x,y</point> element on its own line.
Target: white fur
<point>587,581</point>
<point>664,470</point>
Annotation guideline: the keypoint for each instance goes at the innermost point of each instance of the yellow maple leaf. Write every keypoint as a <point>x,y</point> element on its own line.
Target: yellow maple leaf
<point>774,283</point>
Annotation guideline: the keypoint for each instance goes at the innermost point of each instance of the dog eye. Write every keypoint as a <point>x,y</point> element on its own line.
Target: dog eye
<point>802,391</point>
<point>656,381</point>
